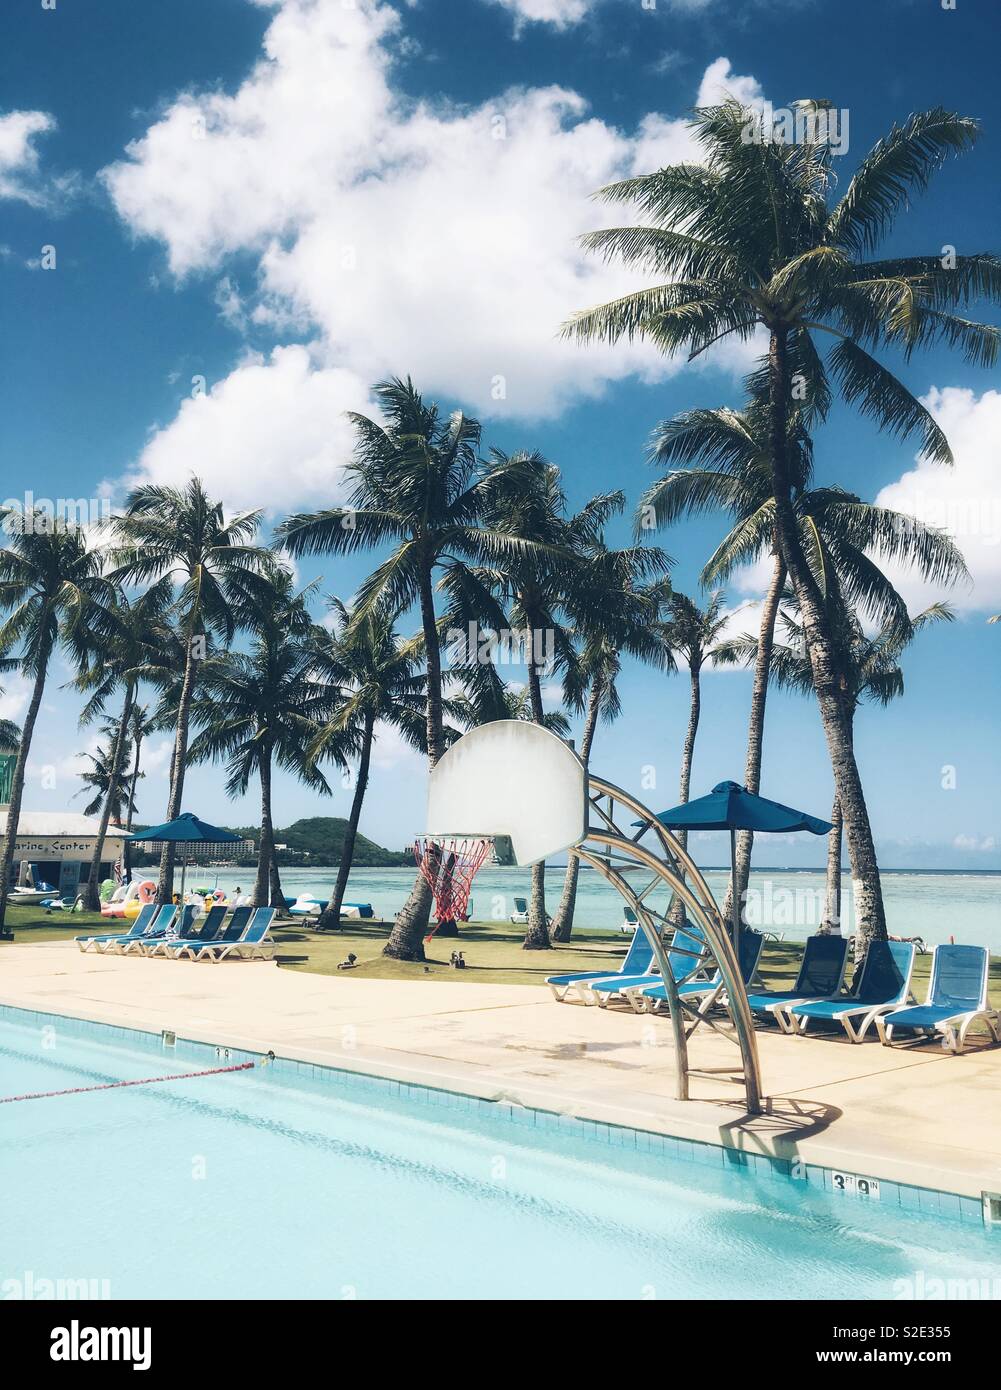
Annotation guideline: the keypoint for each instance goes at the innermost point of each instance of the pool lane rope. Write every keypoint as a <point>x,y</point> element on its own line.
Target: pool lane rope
<point>139,1081</point>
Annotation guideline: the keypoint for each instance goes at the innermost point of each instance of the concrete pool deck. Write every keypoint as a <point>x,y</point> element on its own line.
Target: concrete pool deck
<point>910,1116</point>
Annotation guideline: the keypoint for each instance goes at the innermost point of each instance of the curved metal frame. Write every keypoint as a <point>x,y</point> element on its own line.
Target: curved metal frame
<point>603,845</point>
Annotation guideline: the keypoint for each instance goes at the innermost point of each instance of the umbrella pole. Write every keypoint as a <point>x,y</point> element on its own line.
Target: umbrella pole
<point>734,900</point>
<point>184,870</point>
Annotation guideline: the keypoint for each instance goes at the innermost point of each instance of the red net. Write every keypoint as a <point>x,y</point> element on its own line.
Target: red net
<point>448,867</point>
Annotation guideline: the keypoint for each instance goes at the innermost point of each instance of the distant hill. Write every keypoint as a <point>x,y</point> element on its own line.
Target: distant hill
<point>316,840</point>
<point>322,838</point>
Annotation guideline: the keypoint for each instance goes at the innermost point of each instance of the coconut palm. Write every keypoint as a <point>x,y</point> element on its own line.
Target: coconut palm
<point>473,708</point>
<point>264,707</point>
<point>10,736</point>
<point>614,609</point>
<point>104,783</point>
<point>379,683</point>
<point>869,672</point>
<point>748,240</point>
<point>120,658</point>
<point>415,480</point>
<point>726,467</point>
<point>53,594</point>
<point>693,633</point>
<point>182,534</point>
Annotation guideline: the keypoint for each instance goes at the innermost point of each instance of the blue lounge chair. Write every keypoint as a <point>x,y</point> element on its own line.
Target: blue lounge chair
<point>207,930</point>
<point>254,944</point>
<point>146,915</point>
<point>173,922</point>
<point>883,984</point>
<point>684,957</point>
<point>650,997</point>
<point>637,960</point>
<point>957,998</point>
<point>821,976</point>
<point>192,942</point>
<point>160,924</point>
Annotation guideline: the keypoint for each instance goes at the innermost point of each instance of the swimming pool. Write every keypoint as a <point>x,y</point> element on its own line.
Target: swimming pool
<point>278,1182</point>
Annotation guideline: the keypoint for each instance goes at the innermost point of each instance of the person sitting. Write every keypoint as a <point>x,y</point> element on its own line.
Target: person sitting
<point>237,899</point>
<point>350,963</point>
<point>458,963</point>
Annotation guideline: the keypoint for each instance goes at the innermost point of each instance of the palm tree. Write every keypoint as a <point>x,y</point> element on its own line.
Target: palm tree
<point>53,594</point>
<point>415,480</point>
<point>869,672</point>
<point>378,683</point>
<point>10,736</point>
<point>476,707</point>
<point>264,707</point>
<point>105,785</point>
<point>728,469</point>
<point>182,534</point>
<point>691,632</point>
<point>614,609</point>
<point>140,725</point>
<point>748,240</point>
<point>120,658</point>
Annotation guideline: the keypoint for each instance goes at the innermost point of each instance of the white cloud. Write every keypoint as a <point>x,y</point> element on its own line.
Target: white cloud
<point>560,13</point>
<point>14,697</point>
<point>979,844</point>
<point>272,433</point>
<point>963,500</point>
<point>395,236</point>
<point>18,156</point>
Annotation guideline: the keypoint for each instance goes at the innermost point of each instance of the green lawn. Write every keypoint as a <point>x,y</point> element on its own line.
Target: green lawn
<point>492,951</point>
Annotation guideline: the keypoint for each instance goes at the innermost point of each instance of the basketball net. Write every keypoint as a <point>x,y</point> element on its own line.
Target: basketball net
<point>448,867</point>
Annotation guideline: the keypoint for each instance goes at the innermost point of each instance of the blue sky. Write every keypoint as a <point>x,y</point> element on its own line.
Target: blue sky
<point>289,199</point>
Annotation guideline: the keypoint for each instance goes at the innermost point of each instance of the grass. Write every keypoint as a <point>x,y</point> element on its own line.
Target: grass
<point>492,951</point>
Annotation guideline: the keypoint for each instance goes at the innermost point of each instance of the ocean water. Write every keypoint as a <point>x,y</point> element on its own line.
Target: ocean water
<point>264,1184</point>
<point>936,906</point>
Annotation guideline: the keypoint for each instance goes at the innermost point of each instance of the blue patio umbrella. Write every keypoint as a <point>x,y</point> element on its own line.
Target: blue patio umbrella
<point>186,829</point>
<point>732,807</point>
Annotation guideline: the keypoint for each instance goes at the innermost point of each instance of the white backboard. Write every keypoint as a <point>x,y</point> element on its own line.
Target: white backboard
<point>511,778</point>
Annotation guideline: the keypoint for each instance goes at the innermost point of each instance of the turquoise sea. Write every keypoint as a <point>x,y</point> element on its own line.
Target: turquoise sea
<point>936,906</point>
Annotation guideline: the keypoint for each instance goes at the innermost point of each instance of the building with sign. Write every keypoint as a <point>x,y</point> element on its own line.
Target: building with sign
<point>55,846</point>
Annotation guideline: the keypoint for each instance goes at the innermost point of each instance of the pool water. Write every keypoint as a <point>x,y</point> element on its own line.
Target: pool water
<point>266,1183</point>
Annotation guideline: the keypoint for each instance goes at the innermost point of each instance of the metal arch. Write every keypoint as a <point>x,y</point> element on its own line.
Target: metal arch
<point>596,849</point>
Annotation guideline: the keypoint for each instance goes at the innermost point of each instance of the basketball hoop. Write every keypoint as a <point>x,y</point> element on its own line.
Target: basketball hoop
<point>448,865</point>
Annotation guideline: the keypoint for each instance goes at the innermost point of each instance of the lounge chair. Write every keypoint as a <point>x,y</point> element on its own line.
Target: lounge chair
<point>175,922</point>
<point>254,944</point>
<point>207,930</point>
<point>650,997</point>
<point>637,960</point>
<point>821,976</point>
<point>520,913</point>
<point>957,998</point>
<point>159,926</point>
<point>629,920</point>
<point>684,957</point>
<point>191,944</point>
<point>139,926</point>
<point>883,984</point>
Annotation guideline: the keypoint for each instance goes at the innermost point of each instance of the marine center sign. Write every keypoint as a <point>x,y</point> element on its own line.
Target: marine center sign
<point>63,847</point>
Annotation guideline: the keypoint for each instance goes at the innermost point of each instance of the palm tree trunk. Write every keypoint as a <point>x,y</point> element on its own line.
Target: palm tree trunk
<point>832,905</point>
<point>278,898</point>
<point>756,725</point>
<point>17,781</point>
<point>562,925</point>
<point>537,935</point>
<point>133,782</point>
<point>676,911</point>
<point>266,848</point>
<point>114,773</point>
<point>330,917</point>
<point>166,889</point>
<point>870,914</point>
<point>406,940</point>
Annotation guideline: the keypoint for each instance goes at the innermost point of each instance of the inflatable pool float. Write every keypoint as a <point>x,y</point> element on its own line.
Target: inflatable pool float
<point>129,899</point>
